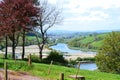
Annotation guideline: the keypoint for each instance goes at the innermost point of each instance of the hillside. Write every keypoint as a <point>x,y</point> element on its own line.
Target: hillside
<point>90,42</point>
<point>41,70</point>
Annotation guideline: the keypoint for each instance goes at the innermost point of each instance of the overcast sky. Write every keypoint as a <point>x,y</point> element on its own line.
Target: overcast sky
<point>89,15</point>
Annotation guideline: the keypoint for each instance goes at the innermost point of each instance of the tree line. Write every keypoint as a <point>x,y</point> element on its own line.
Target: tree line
<point>18,17</point>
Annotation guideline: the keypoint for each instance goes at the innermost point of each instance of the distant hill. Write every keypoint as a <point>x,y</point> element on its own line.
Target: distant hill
<point>105,31</point>
<point>90,42</point>
<point>67,31</point>
<point>70,34</point>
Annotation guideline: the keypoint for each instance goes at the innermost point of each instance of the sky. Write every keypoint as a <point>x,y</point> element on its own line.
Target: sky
<point>88,15</point>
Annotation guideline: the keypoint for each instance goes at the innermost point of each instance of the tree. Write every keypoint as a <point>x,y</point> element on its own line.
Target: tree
<point>31,13</point>
<point>17,16</point>
<point>2,33</point>
<point>48,17</point>
<point>108,58</point>
<point>5,21</point>
<point>35,3</point>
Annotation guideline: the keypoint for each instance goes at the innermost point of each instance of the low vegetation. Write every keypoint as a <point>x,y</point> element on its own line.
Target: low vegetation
<point>57,57</point>
<point>54,56</point>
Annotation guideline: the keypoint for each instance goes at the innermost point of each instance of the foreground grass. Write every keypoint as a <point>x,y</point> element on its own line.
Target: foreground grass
<point>41,70</point>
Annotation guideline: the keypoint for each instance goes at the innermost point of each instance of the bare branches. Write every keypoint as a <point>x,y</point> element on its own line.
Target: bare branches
<point>48,17</point>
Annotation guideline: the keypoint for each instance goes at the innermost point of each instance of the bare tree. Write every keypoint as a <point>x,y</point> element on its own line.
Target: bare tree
<point>49,16</point>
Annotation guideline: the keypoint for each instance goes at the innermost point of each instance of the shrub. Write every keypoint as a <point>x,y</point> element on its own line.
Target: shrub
<point>56,57</point>
<point>35,58</point>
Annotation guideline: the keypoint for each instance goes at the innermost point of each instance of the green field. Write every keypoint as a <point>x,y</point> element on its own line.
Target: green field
<point>90,42</point>
<point>41,70</point>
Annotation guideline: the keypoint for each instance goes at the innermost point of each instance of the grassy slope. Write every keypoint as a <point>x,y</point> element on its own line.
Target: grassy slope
<point>41,70</point>
<point>30,37</point>
<point>90,40</point>
<point>99,43</point>
<point>87,40</point>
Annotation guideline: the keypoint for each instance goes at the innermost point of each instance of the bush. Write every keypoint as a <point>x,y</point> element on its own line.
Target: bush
<point>35,58</point>
<point>56,57</point>
<point>108,58</point>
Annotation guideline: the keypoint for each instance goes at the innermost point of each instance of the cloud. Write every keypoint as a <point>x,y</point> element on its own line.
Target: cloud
<point>90,14</point>
<point>101,14</point>
<point>82,6</point>
<point>88,4</point>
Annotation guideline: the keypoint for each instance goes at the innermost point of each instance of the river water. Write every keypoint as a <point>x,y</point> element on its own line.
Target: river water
<point>64,48</point>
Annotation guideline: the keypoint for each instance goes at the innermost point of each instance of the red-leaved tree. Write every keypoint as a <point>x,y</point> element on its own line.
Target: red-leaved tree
<point>17,16</point>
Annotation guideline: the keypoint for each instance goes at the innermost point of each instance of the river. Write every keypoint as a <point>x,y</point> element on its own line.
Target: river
<point>64,48</point>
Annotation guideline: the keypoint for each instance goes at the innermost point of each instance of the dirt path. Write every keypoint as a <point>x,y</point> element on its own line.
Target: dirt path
<point>12,75</point>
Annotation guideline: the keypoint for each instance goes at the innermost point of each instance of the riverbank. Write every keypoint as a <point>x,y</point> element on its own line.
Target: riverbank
<point>74,56</point>
<point>82,49</point>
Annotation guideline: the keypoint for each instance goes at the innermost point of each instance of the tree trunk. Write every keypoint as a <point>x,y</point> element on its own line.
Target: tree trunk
<point>6,50</point>
<point>13,46</point>
<point>40,45</point>
<point>23,46</point>
<point>40,56</point>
